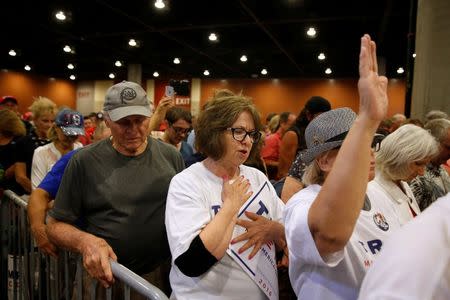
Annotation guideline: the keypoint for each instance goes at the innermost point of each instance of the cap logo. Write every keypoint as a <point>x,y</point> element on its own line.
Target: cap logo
<point>76,120</point>
<point>317,140</point>
<point>127,94</point>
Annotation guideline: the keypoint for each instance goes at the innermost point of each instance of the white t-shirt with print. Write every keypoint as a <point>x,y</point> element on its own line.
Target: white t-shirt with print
<point>193,199</point>
<point>415,262</point>
<point>44,158</point>
<point>340,275</point>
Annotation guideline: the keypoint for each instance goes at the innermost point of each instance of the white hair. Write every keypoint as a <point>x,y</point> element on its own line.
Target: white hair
<point>435,114</point>
<point>409,143</point>
<point>438,128</point>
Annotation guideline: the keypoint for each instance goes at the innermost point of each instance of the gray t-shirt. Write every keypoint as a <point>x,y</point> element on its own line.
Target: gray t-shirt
<point>121,199</point>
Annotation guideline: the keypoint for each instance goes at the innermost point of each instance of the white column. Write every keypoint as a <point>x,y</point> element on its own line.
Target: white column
<point>196,85</point>
<point>431,86</point>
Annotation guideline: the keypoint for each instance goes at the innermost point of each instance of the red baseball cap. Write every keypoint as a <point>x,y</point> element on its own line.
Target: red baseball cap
<point>5,99</point>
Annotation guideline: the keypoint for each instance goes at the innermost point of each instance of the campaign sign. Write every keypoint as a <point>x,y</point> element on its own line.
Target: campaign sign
<point>262,268</point>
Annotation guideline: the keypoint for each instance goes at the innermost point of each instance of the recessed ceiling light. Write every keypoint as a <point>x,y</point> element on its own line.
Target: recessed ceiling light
<point>414,55</point>
<point>118,63</point>
<point>321,56</point>
<point>264,71</point>
<point>212,37</point>
<point>243,58</point>
<point>328,71</point>
<point>12,52</point>
<point>73,77</point>
<point>155,74</point>
<point>70,66</point>
<point>159,4</point>
<point>111,75</point>
<point>400,70</point>
<point>67,48</point>
<point>176,60</point>
<point>206,73</point>
<point>132,43</point>
<point>60,15</point>
<point>27,68</point>
<point>311,32</point>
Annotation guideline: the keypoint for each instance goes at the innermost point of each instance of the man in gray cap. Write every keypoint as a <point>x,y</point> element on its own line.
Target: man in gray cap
<point>118,187</point>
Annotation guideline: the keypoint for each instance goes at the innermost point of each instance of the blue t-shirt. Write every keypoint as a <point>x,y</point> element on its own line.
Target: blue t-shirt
<point>52,180</point>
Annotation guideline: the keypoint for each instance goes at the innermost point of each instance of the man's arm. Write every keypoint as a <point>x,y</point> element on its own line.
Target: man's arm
<point>95,251</point>
<point>37,208</point>
<point>160,113</point>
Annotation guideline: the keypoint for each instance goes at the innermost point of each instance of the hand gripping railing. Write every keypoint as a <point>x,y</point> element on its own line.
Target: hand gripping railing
<point>136,282</point>
<point>14,225</point>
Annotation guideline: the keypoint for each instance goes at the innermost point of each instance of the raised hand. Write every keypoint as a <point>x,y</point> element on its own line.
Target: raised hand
<point>372,87</point>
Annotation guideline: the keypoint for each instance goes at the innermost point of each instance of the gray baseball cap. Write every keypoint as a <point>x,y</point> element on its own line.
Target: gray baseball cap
<point>125,99</point>
<point>327,131</point>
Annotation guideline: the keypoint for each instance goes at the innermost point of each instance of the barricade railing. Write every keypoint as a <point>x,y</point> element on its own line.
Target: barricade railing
<point>26,273</point>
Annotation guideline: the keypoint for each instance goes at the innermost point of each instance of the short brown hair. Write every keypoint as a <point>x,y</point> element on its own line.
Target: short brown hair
<point>220,113</point>
<point>10,124</point>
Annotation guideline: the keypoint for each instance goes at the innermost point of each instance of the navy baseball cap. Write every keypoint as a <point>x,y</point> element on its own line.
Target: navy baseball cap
<point>71,122</point>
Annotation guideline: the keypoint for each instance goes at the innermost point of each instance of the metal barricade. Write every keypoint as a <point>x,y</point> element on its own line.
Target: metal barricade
<point>26,273</point>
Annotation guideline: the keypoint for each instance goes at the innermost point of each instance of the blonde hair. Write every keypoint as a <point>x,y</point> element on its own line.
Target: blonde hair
<point>42,105</point>
<point>10,124</point>
<point>409,143</point>
<point>51,133</point>
<point>313,173</point>
<point>274,123</point>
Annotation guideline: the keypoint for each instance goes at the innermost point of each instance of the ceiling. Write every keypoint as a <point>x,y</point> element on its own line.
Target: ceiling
<point>271,33</point>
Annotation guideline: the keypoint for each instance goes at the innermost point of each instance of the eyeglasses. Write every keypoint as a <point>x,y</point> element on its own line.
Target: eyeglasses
<point>180,130</point>
<point>239,134</point>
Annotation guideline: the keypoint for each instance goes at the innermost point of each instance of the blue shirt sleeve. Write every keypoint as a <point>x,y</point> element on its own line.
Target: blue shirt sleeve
<point>52,180</point>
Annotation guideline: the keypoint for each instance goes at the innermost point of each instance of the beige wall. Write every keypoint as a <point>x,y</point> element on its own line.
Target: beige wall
<point>269,95</point>
<point>431,86</point>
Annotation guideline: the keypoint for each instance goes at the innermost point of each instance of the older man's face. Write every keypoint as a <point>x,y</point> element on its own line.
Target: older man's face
<point>129,134</point>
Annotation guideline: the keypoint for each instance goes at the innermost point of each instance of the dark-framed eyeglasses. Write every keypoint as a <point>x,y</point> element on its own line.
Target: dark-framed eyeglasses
<point>180,130</point>
<point>239,134</point>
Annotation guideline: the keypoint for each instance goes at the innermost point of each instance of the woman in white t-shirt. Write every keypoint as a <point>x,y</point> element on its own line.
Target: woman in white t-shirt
<point>334,226</point>
<point>205,212</point>
<point>404,154</point>
<point>64,132</point>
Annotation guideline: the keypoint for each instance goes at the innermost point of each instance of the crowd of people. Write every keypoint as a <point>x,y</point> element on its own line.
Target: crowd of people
<point>326,204</point>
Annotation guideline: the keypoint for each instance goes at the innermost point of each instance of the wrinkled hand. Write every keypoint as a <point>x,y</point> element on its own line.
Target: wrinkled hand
<point>42,241</point>
<point>96,253</point>
<point>259,231</point>
<point>372,87</point>
<point>235,193</point>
